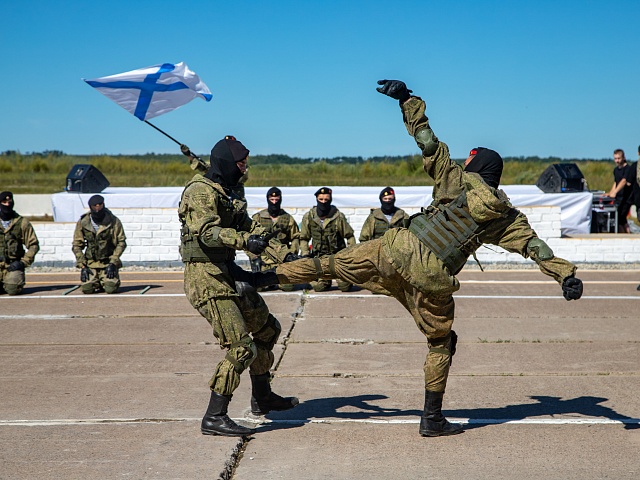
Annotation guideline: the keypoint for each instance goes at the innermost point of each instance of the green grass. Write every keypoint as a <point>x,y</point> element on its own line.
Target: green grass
<point>46,172</point>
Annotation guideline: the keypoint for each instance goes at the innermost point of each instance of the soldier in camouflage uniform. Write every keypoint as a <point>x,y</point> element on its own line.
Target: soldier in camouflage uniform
<point>274,218</point>
<point>327,229</point>
<point>16,233</point>
<point>215,224</point>
<point>98,243</point>
<point>418,265</point>
<point>382,219</point>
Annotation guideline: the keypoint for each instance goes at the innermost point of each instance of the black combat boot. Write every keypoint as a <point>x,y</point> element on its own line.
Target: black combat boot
<point>217,422</point>
<point>263,400</point>
<point>433,423</point>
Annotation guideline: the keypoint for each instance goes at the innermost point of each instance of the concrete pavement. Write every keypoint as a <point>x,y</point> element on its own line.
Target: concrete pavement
<point>115,386</point>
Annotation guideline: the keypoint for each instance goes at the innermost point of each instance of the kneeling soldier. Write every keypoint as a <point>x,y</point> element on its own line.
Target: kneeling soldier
<point>16,233</point>
<point>98,243</point>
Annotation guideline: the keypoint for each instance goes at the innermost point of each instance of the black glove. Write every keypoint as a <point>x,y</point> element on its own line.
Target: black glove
<point>256,244</point>
<point>17,265</point>
<point>85,274</point>
<point>291,257</point>
<point>394,89</point>
<point>265,279</point>
<point>111,271</point>
<point>572,288</point>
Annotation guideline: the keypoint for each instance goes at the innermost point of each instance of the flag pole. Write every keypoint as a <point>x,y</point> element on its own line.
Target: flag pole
<point>169,136</point>
<point>162,132</point>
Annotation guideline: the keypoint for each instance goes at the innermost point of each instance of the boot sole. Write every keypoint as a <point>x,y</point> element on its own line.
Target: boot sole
<point>224,434</point>
<point>440,434</point>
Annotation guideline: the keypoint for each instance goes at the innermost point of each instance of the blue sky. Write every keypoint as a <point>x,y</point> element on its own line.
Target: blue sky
<point>547,78</point>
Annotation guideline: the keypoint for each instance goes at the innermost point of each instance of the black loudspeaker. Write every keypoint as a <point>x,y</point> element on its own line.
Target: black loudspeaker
<point>561,178</point>
<point>85,179</point>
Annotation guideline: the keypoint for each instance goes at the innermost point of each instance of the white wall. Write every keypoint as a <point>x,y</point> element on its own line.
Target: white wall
<point>153,237</point>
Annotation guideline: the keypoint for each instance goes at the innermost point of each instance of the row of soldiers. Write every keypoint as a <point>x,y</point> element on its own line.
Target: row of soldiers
<point>324,230</point>
<point>99,239</point>
<point>98,243</point>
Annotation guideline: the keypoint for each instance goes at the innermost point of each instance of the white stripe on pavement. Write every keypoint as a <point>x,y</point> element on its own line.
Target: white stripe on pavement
<point>372,421</point>
<point>321,295</point>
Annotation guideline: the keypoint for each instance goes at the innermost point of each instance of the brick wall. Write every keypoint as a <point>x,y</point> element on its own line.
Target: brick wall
<point>153,237</point>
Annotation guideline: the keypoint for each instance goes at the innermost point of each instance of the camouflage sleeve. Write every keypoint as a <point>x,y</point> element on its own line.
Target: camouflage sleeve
<point>30,241</point>
<point>405,220</point>
<point>305,235</point>
<point>436,160</point>
<point>120,241</point>
<point>78,246</point>
<point>367,229</point>
<point>347,232</point>
<point>204,221</point>
<point>198,165</point>
<point>294,235</point>
<point>515,235</point>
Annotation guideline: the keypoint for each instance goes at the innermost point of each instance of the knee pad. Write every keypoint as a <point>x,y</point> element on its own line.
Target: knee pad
<point>12,289</point>
<point>241,354</point>
<point>268,335</point>
<point>110,288</point>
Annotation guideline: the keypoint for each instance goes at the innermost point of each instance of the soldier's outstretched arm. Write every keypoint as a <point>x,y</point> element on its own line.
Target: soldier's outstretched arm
<point>435,154</point>
<point>516,235</point>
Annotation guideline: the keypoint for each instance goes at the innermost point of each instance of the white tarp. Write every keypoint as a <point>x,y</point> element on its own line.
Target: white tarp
<point>575,207</point>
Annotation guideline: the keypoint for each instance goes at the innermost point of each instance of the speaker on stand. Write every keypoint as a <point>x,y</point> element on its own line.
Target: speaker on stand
<point>561,178</point>
<point>85,179</point>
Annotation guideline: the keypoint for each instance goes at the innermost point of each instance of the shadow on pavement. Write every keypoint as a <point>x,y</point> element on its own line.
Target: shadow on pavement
<point>329,407</point>
<point>583,406</point>
<point>47,288</point>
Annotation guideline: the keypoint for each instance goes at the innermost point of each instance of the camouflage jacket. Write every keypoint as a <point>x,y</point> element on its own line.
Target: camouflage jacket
<point>502,224</point>
<point>326,236</point>
<point>289,232</point>
<point>215,221</point>
<point>99,249</point>
<point>377,224</point>
<point>18,234</point>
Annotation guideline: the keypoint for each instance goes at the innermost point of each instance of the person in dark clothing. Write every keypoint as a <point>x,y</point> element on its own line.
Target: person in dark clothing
<point>622,188</point>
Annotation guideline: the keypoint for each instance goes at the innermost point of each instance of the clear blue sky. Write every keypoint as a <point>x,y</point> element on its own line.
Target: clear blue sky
<point>548,78</point>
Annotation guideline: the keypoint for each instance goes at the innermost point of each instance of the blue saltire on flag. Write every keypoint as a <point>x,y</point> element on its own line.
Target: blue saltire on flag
<point>151,91</point>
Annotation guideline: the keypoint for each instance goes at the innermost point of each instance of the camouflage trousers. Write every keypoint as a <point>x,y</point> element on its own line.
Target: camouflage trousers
<point>367,266</point>
<point>11,282</point>
<point>98,281</point>
<point>244,327</point>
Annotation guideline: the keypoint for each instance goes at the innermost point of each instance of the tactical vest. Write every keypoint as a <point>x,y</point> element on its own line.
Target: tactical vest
<point>449,232</point>
<point>281,223</point>
<point>326,240</point>
<point>11,246</point>
<point>192,250</point>
<point>100,245</point>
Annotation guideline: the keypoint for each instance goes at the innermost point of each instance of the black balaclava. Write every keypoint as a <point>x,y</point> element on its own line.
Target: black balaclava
<point>97,217</point>
<point>324,208</point>
<point>6,211</point>
<point>488,164</point>
<point>388,208</point>
<point>274,208</point>
<point>224,156</point>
